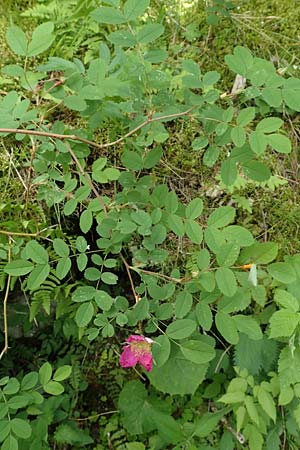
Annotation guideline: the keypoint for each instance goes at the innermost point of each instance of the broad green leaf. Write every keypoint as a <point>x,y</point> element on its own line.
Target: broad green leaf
<point>210,78</point>
<point>183,304</point>
<point>53,388</point>
<point>21,428</point>
<point>36,252</point>
<point>18,267</point>
<point>161,350</point>
<point>214,238</point>
<point>92,274</point>
<point>207,423</point>
<point>17,40</point>
<point>29,381</point>
<point>227,327</point>
<point>238,136</point>
<point>168,428</point>
<point>248,326</point>
<point>204,315</point>
<point>45,373</point>
<point>207,281</point>
<point>98,165</point>
<point>122,39</point>
<point>103,300</point>
<point>221,217</point>
<point>199,143</point>
<point>226,281</point>
<point>251,409</point>
<point>12,387</point>
<point>149,33</point>
<point>280,143</point>
<point>81,244</point>
<point>41,40</point>
<point>269,124</point>
<point>75,103</point>
<point>135,408</point>
<point>70,206</point>
<point>238,235</point>
<point>266,402</point>
<point>241,61</point>
<point>109,278</point>
<point>109,15</point>
<point>83,294</point>
<point>19,401</point>
<point>84,314</point>
<point>158,234</point>
<point>181,329</point>
<point>283,272</point>
<point>197,351</point>
<point>178,375</point>
<point>286,395</point>
<point>62,373</point>
<point>86,220</point>
<point>193,231</point>
<point>38,275</point>
<point>194,209</point>
<point>229,171</point>
<point>245,116</point>
<point>10,443</point>
<point>258,142</point>
<point>71,433</point>
<point>291,93</point>
<point>227,254</point>
<point>132,160</point>
<point>211,156</point>
<point>272,96</point>
<point>5,428</point>
<point>238,302</point>
<point>203,259</point>
<point>153,157</point>
<point>286,300</point>
<point>233,397</point>
<point>61,248</point>
<point>176,224</point>
<point>82,193</point>
<point>240,416</point>
<point>135,8</point>
<point>63,267</point>
<point>111,174</point>
<point>81,262</point>
<point>256,170</point>
<point>141,217</point>
<point>259,253</point>
<point>283,323</point>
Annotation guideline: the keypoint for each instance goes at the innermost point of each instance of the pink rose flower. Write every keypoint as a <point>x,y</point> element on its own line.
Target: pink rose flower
<point>137,351</point>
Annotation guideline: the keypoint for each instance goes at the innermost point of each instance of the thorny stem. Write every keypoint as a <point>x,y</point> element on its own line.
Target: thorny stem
<point>97,415</point>
<point>87,178</point>
<point>128,267</point>
<point>5,324</point>
<point>74,137</point>
<point>239,436</point>
<point>160,275</point>
<point>17,233</point>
